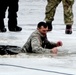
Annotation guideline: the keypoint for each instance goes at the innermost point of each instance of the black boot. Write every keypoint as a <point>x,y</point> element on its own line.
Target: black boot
<point>2,27</point>
<point>3,30</point>
<point>49,26</point>
<point>15,29</point>
<point>12,25</point>
<point>68,29</point>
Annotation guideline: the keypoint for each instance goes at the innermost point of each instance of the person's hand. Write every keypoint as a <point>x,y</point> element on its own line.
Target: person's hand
<point>54,50</point>
<point>59,43</point>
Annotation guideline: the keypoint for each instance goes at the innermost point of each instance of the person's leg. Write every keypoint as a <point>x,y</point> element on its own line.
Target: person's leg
<point>3,7</point>
<point>12,22</point>
<point>50,12</point>
<point>9,49</point>
<point>2,50</point>
<point>68,15</point>
<point>13,49</point>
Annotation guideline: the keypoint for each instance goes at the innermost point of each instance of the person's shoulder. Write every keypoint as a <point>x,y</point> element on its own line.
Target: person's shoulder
<point>35,33</point>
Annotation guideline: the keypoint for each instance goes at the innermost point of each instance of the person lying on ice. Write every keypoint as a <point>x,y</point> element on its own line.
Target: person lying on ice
<point>38,41</point>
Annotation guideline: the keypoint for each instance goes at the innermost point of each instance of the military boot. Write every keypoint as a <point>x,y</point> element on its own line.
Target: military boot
<point>49,26</point>
<point>2,27</point>
<point>68,29</point>
<point>12,25</point>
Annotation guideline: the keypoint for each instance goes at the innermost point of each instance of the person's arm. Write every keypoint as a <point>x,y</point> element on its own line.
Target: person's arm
<point>49,44</point>
<point>53,44</point>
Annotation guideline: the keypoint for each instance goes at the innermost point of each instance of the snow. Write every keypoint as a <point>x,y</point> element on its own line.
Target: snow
<point>30,13</point>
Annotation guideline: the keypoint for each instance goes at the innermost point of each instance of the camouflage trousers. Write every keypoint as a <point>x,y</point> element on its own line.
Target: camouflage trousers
<point>67,8</point>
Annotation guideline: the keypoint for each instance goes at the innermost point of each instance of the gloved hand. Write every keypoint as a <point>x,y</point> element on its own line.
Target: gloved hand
<point>59,43</point>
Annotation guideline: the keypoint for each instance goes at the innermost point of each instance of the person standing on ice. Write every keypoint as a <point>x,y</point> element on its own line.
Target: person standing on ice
<point>38,41</point>
<point>68,14</point>
<point>12,6</point>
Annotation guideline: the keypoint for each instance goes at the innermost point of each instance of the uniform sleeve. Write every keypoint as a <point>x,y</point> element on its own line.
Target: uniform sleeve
<point>50,45</point>
<point>36,46</point>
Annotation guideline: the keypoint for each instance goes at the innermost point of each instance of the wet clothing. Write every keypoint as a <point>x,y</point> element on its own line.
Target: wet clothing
<point>67,7</point>
<point>37,43</point>
<point>12,12</point>
<point>9,49</point>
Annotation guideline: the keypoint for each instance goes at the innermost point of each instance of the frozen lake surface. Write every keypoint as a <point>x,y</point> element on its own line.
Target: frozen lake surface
<point>64,63</point>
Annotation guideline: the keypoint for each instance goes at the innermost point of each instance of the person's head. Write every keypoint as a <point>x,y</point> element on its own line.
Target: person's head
<point>42,27</point>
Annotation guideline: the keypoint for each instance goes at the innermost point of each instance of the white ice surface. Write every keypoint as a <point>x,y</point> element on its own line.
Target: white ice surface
<point>30,13</point>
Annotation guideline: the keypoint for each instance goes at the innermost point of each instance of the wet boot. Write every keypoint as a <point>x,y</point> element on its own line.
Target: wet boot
<point>49,26</point>
<point>68,29</point>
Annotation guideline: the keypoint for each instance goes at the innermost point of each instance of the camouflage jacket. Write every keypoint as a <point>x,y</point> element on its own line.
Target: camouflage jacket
<point>37,43</point>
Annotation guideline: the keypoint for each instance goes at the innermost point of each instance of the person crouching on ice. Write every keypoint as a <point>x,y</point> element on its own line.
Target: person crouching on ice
<point>38,41</point>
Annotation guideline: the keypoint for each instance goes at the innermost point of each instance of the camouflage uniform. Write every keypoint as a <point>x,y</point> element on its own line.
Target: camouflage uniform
<point>51,9</point>
<point>37,43</point>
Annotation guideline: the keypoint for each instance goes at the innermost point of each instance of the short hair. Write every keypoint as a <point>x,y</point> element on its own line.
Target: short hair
<point>42,24</point>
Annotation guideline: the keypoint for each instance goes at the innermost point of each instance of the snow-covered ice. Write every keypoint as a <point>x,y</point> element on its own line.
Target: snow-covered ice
<point>30,13</point>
